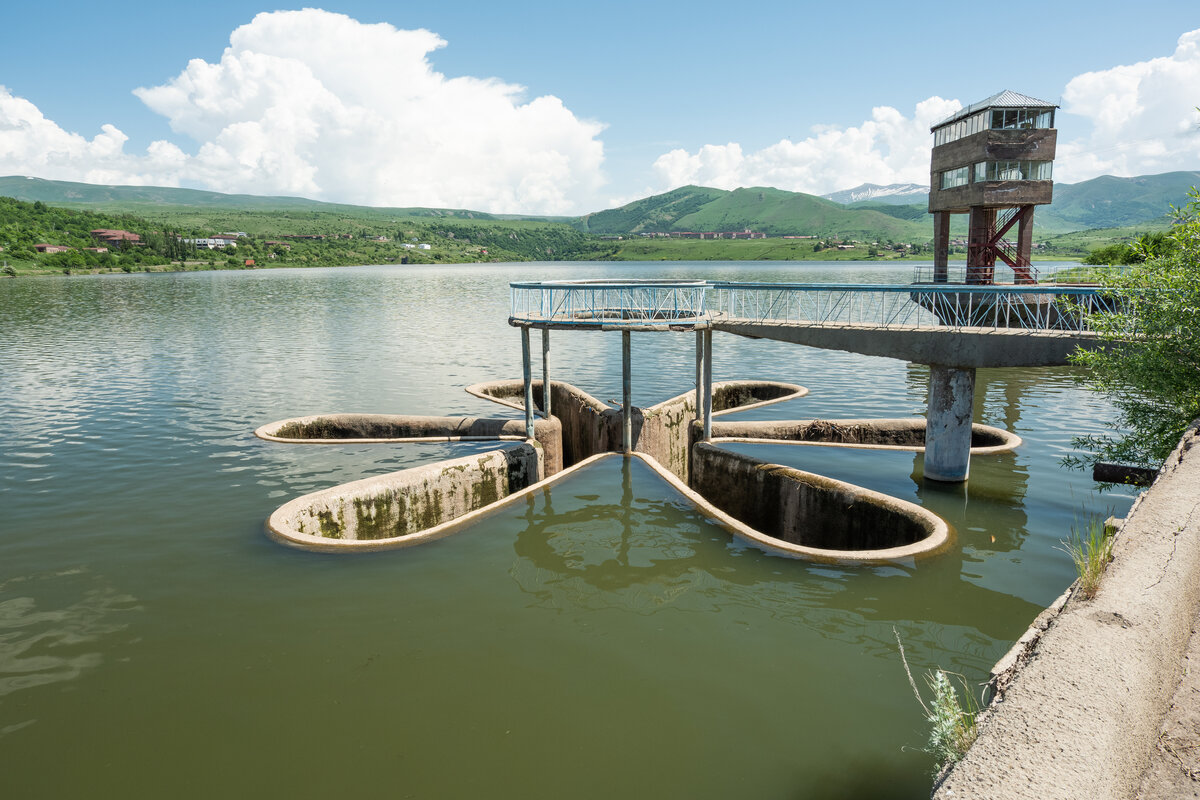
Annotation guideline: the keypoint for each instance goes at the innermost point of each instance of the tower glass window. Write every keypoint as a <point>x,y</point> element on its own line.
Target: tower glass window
<point>1012,171</point>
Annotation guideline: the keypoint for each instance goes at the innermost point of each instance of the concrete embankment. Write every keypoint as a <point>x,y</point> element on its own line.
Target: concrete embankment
<point>1081,700</point>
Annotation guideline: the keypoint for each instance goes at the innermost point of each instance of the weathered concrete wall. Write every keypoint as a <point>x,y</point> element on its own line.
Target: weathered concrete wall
<point>1078,716</point>
<point>590,427</point>
<point>814,512</point>
<point>362,428</point>
<point>665,434</point>
<point>403,508</point>
<point>905,433</point>
<point>586,426</point>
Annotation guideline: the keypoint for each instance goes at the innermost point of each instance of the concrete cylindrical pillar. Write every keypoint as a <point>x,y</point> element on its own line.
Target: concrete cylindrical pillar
<point>941,246</point>
<point>699,374</point>
<point>708,394</point>
<point>1025,242</point>
<point>546,372</point>
<point>527,375</point>
<point>948,423</point>
<point>626,395</point>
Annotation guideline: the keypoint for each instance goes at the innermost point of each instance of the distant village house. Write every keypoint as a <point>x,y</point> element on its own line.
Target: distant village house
<point>116,238</point>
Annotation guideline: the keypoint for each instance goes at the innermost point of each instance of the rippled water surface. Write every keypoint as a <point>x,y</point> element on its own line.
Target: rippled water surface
<point>595,640</point>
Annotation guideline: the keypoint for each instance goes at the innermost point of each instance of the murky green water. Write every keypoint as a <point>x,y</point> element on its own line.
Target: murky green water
<point>598,640</point>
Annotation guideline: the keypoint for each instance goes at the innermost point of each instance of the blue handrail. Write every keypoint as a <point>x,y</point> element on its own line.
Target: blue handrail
<point>605,303</point>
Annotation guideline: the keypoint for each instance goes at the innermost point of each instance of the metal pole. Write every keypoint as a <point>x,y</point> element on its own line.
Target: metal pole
<point>546,371</point>
<point>626,396</point>
<point>699,374</point>
<point>707,384</point>
<point>527,374</point>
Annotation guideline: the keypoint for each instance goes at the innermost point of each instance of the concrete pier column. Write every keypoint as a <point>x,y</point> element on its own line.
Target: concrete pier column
<point>981,259</point>
<point>707,384</point>
<point>527,375</point>
<point>699,374</point>
<point>948,423</point>
<point>1025,237</point>
<point>941,246</point>
<point>626,395</point>
<point>546,372</point>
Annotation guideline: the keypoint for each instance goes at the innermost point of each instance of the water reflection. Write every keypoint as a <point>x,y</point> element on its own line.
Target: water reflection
<point>53,627</point>
<point>583,545</point>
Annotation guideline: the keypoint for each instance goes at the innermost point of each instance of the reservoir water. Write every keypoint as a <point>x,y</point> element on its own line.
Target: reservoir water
<point>596,640</point>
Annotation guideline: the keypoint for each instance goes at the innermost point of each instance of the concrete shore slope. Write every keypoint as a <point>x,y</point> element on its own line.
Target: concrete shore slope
<point>1080,706</point>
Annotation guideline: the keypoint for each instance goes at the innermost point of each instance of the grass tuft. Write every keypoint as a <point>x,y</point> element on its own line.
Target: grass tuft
<point>1091,550</point>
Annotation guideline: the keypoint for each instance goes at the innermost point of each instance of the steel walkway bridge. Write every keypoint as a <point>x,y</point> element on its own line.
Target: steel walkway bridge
<point>953,328</point>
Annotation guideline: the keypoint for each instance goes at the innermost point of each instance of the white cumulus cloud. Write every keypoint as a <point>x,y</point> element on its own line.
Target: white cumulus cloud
<point>318,104</point>
<point>1143,116</point>
<point>888,148</point>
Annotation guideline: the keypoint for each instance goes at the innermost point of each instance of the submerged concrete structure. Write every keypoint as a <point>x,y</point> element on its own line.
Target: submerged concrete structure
<point>782,510</point>
<point>778,508</point>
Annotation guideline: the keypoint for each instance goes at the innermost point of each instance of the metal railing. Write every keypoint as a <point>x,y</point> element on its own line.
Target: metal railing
<point>925,305</point>
<point>601,303</point>
<point>975,276</point>
<point>667,303</point>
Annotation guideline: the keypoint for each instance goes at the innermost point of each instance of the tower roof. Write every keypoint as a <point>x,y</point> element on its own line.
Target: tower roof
<point>1004,99</point>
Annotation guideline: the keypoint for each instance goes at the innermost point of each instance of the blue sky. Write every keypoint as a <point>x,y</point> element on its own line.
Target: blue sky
<point>617,100</point>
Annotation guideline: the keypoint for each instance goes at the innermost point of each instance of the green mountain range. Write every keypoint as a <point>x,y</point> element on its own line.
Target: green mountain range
<point>1105,202</point>
<point>771,211</point>
<point>139,199</point>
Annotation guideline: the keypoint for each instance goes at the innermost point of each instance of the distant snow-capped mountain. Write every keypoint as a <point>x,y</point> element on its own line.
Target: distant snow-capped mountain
<point>896,193</point>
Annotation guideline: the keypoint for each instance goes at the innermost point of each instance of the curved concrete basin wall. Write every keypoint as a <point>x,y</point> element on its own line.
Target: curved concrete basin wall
<point>406,507</point>
<point>363,428</point>
<point>730,396</point>
<point>908,434</point>
<point>588,426</point>
<point>811,515</point>
<point>662,431</point>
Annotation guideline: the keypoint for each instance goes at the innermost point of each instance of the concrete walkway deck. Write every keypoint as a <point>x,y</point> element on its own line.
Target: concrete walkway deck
<point>959,347</point>
<point>1102,702</point>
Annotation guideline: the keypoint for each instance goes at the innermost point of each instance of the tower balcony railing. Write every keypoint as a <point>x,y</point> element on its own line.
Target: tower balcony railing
<point>604,303</point>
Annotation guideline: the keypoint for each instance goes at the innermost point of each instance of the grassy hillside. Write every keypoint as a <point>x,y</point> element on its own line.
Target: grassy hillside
<point>140,199</point>
<point>761,209</point>
<point>774,211</point>
<point>347,239</point>
<point>657,213</point>
<point>1109,202</point>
